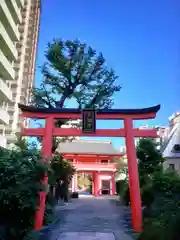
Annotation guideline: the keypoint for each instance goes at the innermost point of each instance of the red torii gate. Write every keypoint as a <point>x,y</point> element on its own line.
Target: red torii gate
<point>127,115</point>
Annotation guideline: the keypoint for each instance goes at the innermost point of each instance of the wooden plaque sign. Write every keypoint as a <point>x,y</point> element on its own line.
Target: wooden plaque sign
<point>89,121</point>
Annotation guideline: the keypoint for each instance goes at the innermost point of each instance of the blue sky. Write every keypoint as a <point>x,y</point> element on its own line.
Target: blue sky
<point>140,40</point>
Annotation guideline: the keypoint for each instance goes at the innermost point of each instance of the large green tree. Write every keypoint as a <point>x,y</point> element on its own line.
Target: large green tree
<point>74,70</point>
<point>149,159</point>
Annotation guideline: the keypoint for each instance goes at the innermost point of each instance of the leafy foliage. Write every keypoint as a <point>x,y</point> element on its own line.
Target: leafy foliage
<point>20,172</point>
<point>162,217</point>
<point>74,70</point>
<point>160,195</point>
<point>149,159</point>
<point>59,178</point>
<point>84,181</point>
<point>62,170</point>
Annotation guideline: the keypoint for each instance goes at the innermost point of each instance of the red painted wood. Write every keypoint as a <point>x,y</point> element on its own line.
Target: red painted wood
<point>134,187</point>
<point>96,184</point>
<point>113,184</point>
<point>86,166</point>
<point>99,132</point>
<point>39,215</point>
<point>112,116</point>
<point>79,156</point>
<point>128,132</point>
<point>75,183</point>
<point>45,152</point>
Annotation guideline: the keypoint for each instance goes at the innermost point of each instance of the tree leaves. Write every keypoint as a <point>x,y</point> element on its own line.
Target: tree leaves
<point>20,172</point>
<point>75,71</point>
<point>160,194</point>
<point>150,159</point>
<point>62,170</point>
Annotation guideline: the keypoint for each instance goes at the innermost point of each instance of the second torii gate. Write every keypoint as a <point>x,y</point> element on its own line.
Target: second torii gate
<point>89,129</point>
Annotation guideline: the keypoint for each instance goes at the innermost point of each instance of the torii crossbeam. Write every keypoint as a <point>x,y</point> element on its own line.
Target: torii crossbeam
<point>127,115</point>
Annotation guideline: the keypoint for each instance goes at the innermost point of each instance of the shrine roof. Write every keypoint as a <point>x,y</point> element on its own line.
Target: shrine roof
<point>87,147</point>
<point>33,109</point>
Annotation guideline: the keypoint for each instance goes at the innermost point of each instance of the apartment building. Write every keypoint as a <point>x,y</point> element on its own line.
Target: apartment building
<point>19,28</point>
<point>171,143</point>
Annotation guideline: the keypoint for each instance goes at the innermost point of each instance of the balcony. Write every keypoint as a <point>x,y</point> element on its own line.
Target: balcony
<point>4,116</point>
<point>7,46</point>
<point>3,141</point>
<point>15,11</point>
<point>6,68</point>
<point>5,92</point>
<point>91,166</point>
<point>8,22</point>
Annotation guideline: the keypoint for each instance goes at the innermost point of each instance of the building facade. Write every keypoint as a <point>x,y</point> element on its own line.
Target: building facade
<point>171,143</point>
<point>19,29</point>
<point>95,158</point>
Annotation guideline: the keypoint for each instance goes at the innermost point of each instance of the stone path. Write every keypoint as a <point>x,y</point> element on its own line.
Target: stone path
<point>90,219</point>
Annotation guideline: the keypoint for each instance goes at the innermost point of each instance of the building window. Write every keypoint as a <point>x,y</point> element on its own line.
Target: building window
<point>14,96</point>
<point>1,131</point>
<point>13,85</point>
<point>10,122</point>
<point>172,167</point>
<point>176,148</point>
<point>8,131</point>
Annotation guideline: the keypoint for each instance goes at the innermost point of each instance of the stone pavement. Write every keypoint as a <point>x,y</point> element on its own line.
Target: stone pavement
<point>90,219</point>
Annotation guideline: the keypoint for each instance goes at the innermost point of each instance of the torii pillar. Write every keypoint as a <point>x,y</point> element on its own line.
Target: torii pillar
<point>46,152</point>
<point>134,186</point>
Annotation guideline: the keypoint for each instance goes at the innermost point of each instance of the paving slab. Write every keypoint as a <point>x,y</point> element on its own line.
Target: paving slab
<point>90,219</point>
<point>86,236</point>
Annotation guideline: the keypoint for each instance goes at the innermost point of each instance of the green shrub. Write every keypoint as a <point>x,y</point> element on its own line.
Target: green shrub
<point>49,214</point>
<point>166,183</point>
<point>147,195</point>
<point>121,185</point>
<point>20,174</point>
<point>126,196</point>
<point>161,222</point>
<point>162,217</point>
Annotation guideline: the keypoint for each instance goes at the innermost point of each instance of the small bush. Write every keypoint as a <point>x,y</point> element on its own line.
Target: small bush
<point>162,215</point>
<point>20,174</point>
<point>126,196</point>
<point>162,219</point>
<point>147,195</point>
<point>121,185</point>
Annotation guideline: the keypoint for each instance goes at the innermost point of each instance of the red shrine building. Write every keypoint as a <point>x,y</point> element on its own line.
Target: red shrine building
<point>95,158</point>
